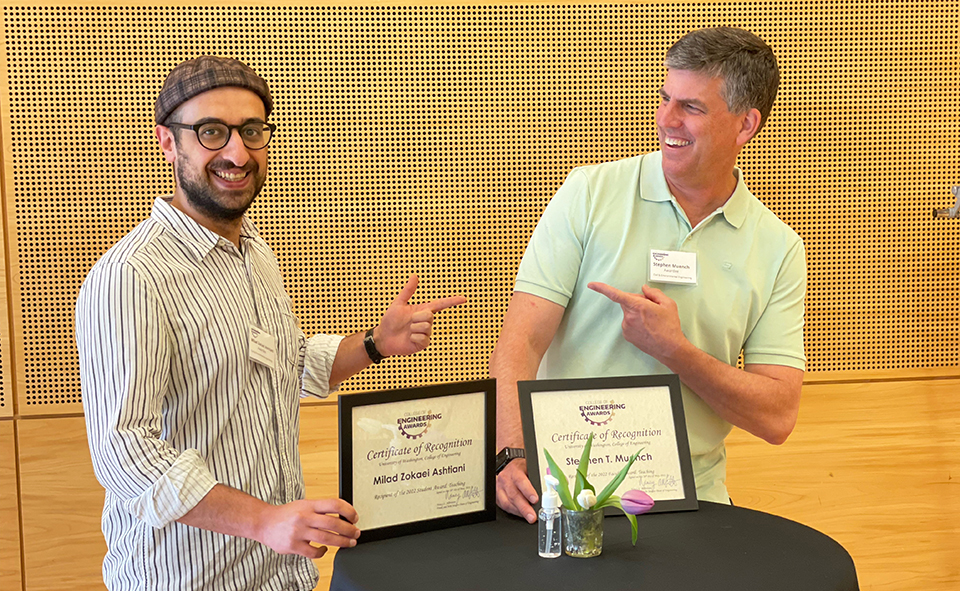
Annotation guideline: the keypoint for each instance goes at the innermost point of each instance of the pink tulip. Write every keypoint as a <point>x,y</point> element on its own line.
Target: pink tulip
<point>635,502</point>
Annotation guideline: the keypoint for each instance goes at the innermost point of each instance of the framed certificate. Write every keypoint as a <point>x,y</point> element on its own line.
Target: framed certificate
<point>625,415</point>
<point>419,459</point>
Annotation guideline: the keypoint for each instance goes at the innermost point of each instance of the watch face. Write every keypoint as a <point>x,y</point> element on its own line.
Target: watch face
<point>502,459</point>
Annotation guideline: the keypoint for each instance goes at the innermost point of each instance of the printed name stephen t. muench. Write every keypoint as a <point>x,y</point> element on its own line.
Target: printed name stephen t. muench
<point>618,458</point>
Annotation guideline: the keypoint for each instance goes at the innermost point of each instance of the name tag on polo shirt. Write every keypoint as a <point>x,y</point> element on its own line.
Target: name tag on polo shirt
<point>673,266</point>
<point>263,347</point>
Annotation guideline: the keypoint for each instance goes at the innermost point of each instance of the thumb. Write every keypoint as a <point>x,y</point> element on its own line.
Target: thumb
<point>407,292</point>
<point>655,295</point>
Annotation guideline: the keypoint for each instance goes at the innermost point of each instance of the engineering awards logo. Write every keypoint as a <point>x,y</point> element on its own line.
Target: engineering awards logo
<point>415,425</point>
<point>600,413</point>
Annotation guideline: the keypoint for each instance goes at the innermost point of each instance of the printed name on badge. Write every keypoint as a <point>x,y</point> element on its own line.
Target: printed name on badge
<point>673,266</point>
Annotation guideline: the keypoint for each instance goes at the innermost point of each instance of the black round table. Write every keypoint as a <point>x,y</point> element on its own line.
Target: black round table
<point>717,547</point>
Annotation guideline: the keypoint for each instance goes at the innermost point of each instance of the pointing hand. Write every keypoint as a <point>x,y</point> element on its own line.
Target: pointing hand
<point>405,328</point>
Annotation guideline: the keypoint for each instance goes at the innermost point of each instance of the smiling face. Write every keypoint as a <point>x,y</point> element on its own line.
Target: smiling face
<point>215,186</point>
<point>699,136</point>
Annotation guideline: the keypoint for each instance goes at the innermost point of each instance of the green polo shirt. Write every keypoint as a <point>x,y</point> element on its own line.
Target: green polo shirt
<point>601,226</point>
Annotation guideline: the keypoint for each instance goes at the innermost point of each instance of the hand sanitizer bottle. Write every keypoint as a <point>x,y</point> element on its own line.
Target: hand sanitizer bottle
<point>550,520</point>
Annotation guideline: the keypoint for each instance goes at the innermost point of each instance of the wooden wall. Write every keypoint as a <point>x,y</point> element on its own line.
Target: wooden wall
<point>875,465</point>
<point>428,137</point>
<point>10,574</point>
<point>61,501</point>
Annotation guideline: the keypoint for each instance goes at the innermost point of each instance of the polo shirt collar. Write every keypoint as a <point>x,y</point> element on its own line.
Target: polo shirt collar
<point>654,187</point>
<point>198,240</point>
<point>735,209</point>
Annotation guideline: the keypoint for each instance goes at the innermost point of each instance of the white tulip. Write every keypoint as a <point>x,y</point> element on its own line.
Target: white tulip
<point>586,498</point>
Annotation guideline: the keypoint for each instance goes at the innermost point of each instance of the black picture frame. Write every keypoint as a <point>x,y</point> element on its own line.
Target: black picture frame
<point>346,405</point>
<point>526,390</point>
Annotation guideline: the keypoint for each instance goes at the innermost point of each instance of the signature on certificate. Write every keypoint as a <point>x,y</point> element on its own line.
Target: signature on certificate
<point>662,482</point>
<point>465,493</point>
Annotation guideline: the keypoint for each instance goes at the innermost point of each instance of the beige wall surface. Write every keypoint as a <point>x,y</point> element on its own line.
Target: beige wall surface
<point>875,466</point>
<point>9,510</point>
<point>62,501</point>
<point>428,137</point>
<point>320,457</point>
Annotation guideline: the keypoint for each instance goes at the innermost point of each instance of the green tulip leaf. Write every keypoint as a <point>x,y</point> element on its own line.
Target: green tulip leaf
<point>611,501</point>
<point>614,501</point>
<point>633,527</point>
<point>581,480</point>
<point>610,488</point>
<point>585,457</point>
<point>563,489</point>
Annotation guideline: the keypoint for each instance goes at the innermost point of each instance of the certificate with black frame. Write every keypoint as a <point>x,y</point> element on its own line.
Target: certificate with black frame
<point>625,415</point>
<point>419,459</point>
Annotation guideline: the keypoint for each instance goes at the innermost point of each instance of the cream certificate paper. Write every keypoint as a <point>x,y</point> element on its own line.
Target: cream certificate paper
<point>418,459</point>
<point>622,423</point>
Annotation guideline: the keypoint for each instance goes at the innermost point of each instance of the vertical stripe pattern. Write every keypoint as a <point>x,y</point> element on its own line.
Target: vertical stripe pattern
<point>174,404</point>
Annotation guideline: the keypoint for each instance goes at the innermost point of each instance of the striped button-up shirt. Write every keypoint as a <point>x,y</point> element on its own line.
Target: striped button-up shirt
<point>174,403</point>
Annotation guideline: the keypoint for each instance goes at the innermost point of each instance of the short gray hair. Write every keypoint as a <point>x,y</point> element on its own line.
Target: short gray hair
<point>746,64</point>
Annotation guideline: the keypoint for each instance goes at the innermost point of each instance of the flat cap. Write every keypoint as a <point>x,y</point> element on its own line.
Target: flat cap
<point>204,73</point>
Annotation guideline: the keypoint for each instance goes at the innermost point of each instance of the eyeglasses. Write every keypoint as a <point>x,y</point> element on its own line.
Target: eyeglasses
<point>214,135</point>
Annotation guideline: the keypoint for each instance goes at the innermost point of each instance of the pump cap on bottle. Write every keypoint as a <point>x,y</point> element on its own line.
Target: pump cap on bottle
<point>550,500</point>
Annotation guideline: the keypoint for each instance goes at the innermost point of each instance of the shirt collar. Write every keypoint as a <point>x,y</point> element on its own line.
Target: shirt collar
<point>654,188</point>
<point>735,209</point>
<point>195,237</point>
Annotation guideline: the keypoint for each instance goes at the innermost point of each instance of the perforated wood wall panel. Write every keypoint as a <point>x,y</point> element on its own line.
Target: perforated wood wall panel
<point>7,374</point>
<point>6,368</point>
<point>428,139</point>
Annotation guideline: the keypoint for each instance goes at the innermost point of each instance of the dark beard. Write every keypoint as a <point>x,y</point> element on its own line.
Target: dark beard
<point>203,198</point>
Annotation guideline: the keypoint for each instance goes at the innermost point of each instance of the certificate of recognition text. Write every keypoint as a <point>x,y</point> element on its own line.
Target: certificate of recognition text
<point>418,459</point>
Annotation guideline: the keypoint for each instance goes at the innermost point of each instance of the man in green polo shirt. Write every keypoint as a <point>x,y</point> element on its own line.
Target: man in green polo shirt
<point>596,296</point>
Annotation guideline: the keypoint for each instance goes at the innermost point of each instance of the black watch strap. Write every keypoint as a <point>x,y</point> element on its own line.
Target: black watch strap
<point>507,455</point>
<point>371,347</point>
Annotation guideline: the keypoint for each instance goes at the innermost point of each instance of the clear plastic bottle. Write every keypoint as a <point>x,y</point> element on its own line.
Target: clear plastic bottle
<point>549,522</point>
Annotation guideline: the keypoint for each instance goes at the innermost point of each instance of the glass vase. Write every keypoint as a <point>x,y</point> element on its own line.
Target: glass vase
<point>583,533</point>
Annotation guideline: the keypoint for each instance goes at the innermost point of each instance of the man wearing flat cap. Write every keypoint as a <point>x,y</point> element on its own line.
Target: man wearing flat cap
<point>192,364</point>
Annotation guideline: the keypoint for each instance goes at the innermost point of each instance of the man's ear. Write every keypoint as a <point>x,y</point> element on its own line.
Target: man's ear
<point>750,126</point>
<point>167,142</point>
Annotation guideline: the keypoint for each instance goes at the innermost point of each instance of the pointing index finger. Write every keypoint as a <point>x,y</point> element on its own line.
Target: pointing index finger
<point>611,292</point>
<point>444,303</point>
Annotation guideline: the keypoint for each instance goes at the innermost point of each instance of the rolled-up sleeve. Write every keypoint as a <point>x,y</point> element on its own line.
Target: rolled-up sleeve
<point>125,349</point>
<point>319,351</point>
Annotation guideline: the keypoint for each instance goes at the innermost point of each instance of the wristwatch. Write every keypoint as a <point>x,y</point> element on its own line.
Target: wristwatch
<point>507,455</point>
<point>371,347</point>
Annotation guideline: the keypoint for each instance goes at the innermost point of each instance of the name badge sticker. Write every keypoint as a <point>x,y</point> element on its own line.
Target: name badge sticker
<point>673,266</point>
<point>263,347</point>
